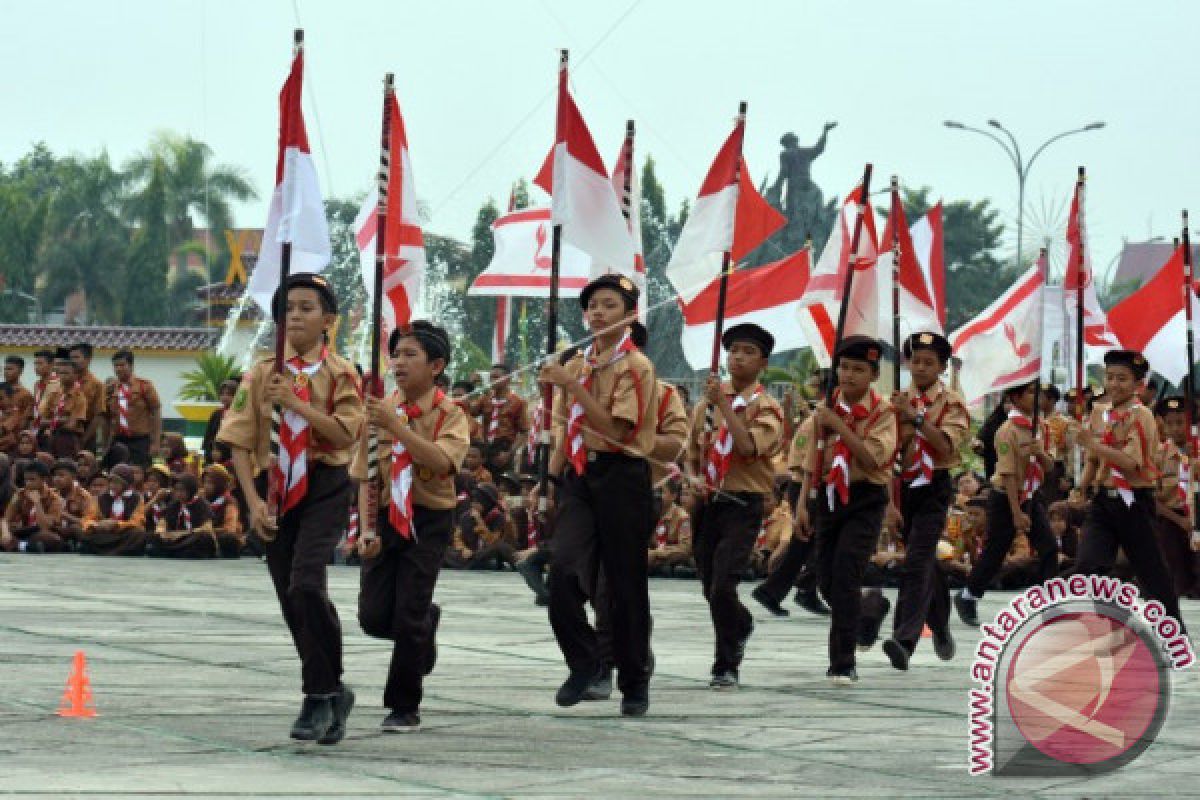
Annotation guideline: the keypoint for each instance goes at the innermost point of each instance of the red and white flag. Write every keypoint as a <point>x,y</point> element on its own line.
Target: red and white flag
<point>1001,346</point>
<point>929,245</point>
<point>404,259</point>
<point>729,215</point>
<point>763,295</point>
<point>520,265</point>
<point>1097,335</point>
<point>582,198</point>
<point>296,213</point>
<point>918,303</point>
<point>629,197</point>
<point>1152,320</point>
<point>500,333</point>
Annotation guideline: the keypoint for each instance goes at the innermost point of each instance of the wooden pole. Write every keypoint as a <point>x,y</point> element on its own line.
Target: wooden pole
<point>1189,392</point>
<point>896,282</point>
<point>1080,406</point>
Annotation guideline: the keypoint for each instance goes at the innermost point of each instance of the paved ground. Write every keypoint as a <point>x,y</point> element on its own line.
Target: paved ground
<point>196,684</point>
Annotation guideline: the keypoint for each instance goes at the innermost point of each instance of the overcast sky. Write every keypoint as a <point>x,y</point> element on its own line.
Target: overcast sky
<point>475,82</point>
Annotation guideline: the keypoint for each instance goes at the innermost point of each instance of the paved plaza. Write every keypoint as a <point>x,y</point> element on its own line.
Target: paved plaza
<point>196,683</point>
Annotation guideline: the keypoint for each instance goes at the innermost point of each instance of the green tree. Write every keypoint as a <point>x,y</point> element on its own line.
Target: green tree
<point>345,271</point>
<point>665,322</point>
<point>145,292</point>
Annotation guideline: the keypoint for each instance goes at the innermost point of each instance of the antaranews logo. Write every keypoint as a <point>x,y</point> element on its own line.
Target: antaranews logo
<point>1073,678</point>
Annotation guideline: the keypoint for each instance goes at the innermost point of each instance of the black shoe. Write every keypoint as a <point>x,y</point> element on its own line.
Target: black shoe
<point>542,600</point>
<point>635,702</point>
<point>401,722</point>
<point>870,623</point>
<point>574,688</point>
<point>769,603</point>
<point>811,602</point>
<point>343,701</point>
<point>316,717</point>
<point>726,680</point>
<point>842,677</point>
<point>740,652</point>
<point>897,653</point>
<point>966,609</point>
<point>435,615</point>
<point>943,645</point>
<point>601,687</point>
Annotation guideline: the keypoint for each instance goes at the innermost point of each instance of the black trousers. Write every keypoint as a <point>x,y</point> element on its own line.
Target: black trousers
<point>724,530</point>
<point>296,559</point>
<point>139,449</point>
<point>395,599</point>
<point>1176,546</point>
<point>1000,535</point>
<point>604,518</point>
<point>1110,524</point>
<point>846,539</point>
<point>923,597</point>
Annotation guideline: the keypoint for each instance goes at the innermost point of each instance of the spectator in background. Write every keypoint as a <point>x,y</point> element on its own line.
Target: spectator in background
<point>16,404</point>
<point>98,486</point>
<point>64,410</point>
<point>89,467</point>
<point>226,517</point>
<point>176,453</point>
<point>185,529</point>
<point>33,514</point>
<point>6,481</point>
<point>79,507</point>
<point>134,413</point>
<point>968,486</point>
<point>225,395</point>
<point>43,370</point>
<point>504,418</point>
<point>120,530</point>
<point>1065,534</point>
<point>93,394</point>
<point>27,446</point>
<point>672,545</point>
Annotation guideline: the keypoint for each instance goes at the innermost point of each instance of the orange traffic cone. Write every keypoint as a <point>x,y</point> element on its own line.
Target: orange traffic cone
<point>926,633</point>
<point>77,699</point>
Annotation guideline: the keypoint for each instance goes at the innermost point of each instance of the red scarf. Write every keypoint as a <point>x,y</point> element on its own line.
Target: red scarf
<point>720,451</point>
<point>838,485</point>
<point>292,469</point>
<point>1183,489</point>
<point>400,508</point>
<point>1113,418</point>
<point>576,452</point>
<point>184,522</point>
<point>494,415</point>
<point>919,471</point>
<point>660,534</point>
<point>124,396</point>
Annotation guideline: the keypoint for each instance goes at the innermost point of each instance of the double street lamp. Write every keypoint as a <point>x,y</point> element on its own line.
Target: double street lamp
<point>1022,167</point>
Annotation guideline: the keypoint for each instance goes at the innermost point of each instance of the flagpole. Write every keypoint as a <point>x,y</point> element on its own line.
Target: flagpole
<point>831,382</point>
<point>1079,403</point>
<point>1189,392</point>
<point>274,489</point>
<point>627,209</point>
<point>896,282</point>
<point>552,311</point>
<point>375,387</point>
<point>1043,268</point>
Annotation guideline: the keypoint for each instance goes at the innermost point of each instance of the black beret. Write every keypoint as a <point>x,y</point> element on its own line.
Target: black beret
<point>433,338</point>
<point>1170,405</point>
<point>749,332</point>
<point>62,354</point>
<point>312,281</point>
<point>929,340</point>
<point>66,464</point>
<point>20,362</point>
<point>1132,359</point>
<point>639,335</point>
<point>859,348</point>
<point>1019,388</point>
<point>618,283</point>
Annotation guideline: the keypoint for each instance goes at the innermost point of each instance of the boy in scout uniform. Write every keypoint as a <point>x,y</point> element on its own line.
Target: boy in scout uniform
<point>184,529</point>
<point>16,404</point>
<point>92,390</point>
<point>1119,442</point>
<point>33,514</point>
<point>502,414</point>
<point>1176,493</point>
<point>64,409</point>
<point>934,424</point>
<point>321,417</point>
<point>859,434</point>
<point>424,435</point>
<point>79,507</point>
<point>734,460</point>
<point>600,484</point>
<point>1014,505</point>
<point>120,525</point>
<point>672,544</point>
<point>134,411</point>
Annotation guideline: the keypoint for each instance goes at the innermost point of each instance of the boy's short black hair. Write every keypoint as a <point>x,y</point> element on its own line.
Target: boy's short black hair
<point>82,347</point>
<point>433,339</point>
<point>1018,390</point>
<point>46,354</point>
<point>466,386</point>
<point>16,360</point>
<point>188,481</point>
<point>123,355</point>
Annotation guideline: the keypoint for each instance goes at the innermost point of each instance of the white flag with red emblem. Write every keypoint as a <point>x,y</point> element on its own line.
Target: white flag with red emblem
<point>1097,335</point>
<point>929,245</point>
<point>520,265</point>
<point>1001,346</point>
<point>918,303</point>
<point>1152,320</point>
<point>296,214</point>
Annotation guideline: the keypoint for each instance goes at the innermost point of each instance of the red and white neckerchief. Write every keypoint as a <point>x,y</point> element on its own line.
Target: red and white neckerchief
<point>400,507</point>
<point>660,534</point>
<point>118,504</point>
<point>31,516</point>
<point>352,526</point>
<point>494,414</point>
<point>184,521</point>
<point>919,470</point>
<point>837,487</point>
<point>1034,475</point>
<point>294,435</point>
<point>531,530</point>
<point>576,452</point>
<point>218,506</point>
<point>720,451</point>
<point>59,407</point>
<point>39,389</point>
<point>760,541</point>
<point>1184,488</point>
<point>124,396</point>
<point>1113,418</point>
<point>535,434</point>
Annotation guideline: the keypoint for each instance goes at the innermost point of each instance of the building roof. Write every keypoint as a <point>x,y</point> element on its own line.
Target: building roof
<point>109,337</point>
<point>1140,261</point>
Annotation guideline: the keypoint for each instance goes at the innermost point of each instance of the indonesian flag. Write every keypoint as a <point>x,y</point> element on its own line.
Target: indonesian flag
<point>1097,335</point>
<point>404,259</point>
<point>729,216</point>
<point>818,311</point>
<point>520,265</point>
<point>630,200</point>
<point>999,348</point>
<point>296,213</point>
<point>918,303</point>
<point>500,333</point>
<point>1152,320</point>
<point>582,198</point>
<point>929,246</point>
<point>763,295</point>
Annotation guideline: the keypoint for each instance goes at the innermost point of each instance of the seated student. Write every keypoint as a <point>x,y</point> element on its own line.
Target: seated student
<point>672,545</point>
<point>175,453</point>
<point>120,529</point>
<point>485,534</point>
<point>226,517</point>
<point>88,465</point>
<point>498,458</point>
<point>887,560</point>
<point>156,494</point>
<point>185,529</point>
<point>1065,534</point>
<point>27,446</point>
<point>79,507</point>
<point>1174,497</point>
<point>774,534</point>
<point>534,558</point>
<point>473,466</point>
<point>1021,567</point>
<point>33,514</point>
<point>968,486</point>
<point>98,485</point>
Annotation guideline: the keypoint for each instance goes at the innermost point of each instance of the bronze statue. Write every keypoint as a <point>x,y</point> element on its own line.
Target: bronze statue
<point>799,199</point>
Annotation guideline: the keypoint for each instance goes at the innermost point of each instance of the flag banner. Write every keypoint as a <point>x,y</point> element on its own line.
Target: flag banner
<point>520,266</point>
<point>999,347</point>
<point>1153,321</point>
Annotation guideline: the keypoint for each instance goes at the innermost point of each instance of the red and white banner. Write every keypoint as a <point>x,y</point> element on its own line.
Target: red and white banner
<point>1097,335</point>
<point>729,215</point>
<point>763,295</point>
<point>1000,347</point>
<point>918,303</point>
<point>520,266</point>
<point>500,332</point>
<point>929,245</point>
<point>629,198</point>
<point>582,197</point>
<point>1153,321</point>
<point>296,213</point>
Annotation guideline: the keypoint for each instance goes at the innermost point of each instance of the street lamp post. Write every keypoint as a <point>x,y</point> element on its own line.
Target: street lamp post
<point>1019,164</point>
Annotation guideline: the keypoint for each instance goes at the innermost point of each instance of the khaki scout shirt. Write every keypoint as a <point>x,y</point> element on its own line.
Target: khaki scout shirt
<point>1135,435</point>
<point>16,409</point>
<point>143,405</point>
<point>878,431</point>
<point>797,458</point>
<point>1010,439</point>
<point>671,427</point>
<point>72,415</point>
<point>510,413</point>
<point>442,422</point>
<point>763,419</point>
<point>334,389</point>
<point>93,392</point>
<point>20,510</point>
<point>676,526</point>
<point>947,411</point>
<point>625,388</point>
<point>1168,461</point>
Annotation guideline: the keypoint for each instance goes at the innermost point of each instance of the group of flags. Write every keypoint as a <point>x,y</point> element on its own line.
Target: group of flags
<point>899,274</point>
